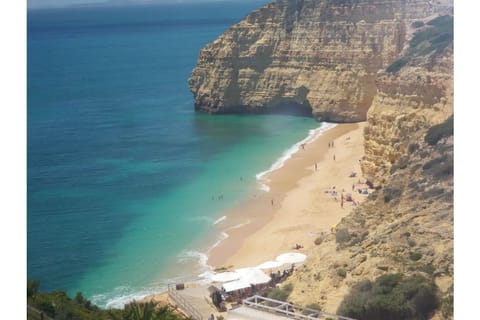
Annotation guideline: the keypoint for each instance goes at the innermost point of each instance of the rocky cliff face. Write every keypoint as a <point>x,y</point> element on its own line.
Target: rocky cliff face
<point>411,99</point>
<point>318,57</point>
<point>406,226</point>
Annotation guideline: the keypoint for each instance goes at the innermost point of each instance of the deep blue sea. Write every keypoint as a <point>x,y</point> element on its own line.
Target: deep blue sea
<point>121,170</point>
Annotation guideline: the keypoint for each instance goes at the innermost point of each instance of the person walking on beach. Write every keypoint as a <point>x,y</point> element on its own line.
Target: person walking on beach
<point>315,166</point>
<point>272,202</point>
<point>333,157</point>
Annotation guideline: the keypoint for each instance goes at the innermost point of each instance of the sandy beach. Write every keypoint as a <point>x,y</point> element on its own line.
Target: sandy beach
<point>298,208</point>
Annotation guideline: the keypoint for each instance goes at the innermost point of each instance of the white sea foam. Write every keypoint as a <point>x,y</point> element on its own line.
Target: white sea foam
<point>123,295</point>
<point>240,225</point>
<point>287,154</point>
<point>264,187</point>
<point>223,236</point>
<point>220,219</point>
<point>190,255</point>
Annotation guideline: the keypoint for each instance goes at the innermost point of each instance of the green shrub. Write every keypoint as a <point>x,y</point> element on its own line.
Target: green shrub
<point>412,243</point>
<point>439,36</point>
<point>390,194</point>
<point>391,296</point>
<point>412,147</point>
<point>397,65</point>
<point>46,306</point>
<point>415,256</point>
<point>281,293</point>
<point>372,196</point>
<point>447,306</point>
<point>401,164</point>
<point>439,131</point>
<point>342,236</point>
<point>434,162</point>
<point>61,307</point>
<point>341,273</point>
<point>32,287</point>
<point>434,39</point>
<point>428,268</point>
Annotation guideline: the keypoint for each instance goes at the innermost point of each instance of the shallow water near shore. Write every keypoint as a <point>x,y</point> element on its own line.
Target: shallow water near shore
<point>125,180</point>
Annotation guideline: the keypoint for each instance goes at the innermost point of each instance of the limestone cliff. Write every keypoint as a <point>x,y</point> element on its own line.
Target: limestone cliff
<point>320,57</point>
<point>406,226</point>
<point>411,99</point>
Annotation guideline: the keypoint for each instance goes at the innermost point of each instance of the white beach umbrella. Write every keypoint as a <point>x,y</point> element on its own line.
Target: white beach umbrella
<point>270,265</point>
<point>225,276</point>
<point>291,257</point>
<point>253,275</point>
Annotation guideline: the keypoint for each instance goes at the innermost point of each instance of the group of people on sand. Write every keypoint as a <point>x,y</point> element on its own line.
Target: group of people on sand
<point>343,198</point>
<point>298,246</point>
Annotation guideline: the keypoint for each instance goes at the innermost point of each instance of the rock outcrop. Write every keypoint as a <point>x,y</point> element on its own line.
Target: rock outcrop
<point>315,57</point>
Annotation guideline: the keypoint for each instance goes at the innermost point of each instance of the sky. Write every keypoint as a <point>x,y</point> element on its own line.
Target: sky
<point>66,3</point>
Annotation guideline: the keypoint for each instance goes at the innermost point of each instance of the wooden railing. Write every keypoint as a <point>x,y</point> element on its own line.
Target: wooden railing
<point>183,303</point>
<point>286,309</point>
<point>34,313</point>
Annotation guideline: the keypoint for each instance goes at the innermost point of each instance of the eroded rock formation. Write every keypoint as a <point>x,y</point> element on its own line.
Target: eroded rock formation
<point>320,57</point>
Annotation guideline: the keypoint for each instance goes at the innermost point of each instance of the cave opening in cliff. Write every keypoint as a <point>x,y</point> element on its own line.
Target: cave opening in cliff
<point>291,109</point>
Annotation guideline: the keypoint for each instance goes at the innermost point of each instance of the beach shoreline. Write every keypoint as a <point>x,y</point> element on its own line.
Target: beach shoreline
<point>301,210</point>
<point>296,208</point>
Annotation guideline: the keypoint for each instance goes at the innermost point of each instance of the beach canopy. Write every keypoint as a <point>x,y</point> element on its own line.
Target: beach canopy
<point>270,265</point>
<point>291,257</point>
<point>253,276</point>
<point>225,276</point>
<point>235,285</point>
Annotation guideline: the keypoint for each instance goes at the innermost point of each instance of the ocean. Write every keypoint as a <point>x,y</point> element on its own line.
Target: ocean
<point>125,180</point>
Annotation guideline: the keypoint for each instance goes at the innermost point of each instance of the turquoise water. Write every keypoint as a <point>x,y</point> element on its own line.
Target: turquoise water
<point>121,170</point>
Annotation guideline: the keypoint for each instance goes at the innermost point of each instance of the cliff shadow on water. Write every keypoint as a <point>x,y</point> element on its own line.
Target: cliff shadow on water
<point>290,108</point>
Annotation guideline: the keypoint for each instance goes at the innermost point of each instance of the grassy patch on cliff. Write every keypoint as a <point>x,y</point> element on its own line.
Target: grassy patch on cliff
<point>433,38</point>
<point>391,296</point>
